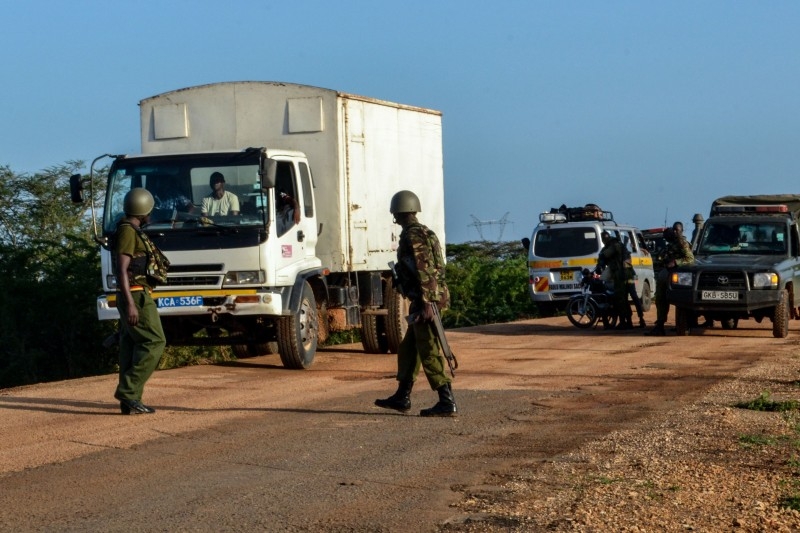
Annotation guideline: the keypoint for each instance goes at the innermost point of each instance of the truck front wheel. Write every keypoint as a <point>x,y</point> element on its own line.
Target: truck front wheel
<point>780,317</point>
<point>297,334</point>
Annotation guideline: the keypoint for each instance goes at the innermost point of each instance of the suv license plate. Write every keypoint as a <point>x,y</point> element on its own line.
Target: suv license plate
<point>180,301</point>
<point>720,295</point>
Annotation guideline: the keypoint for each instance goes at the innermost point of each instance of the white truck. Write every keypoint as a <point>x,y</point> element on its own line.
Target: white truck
<point>236,279</point>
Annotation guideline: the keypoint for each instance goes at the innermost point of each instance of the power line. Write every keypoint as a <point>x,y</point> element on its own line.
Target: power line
<point>479,225</point>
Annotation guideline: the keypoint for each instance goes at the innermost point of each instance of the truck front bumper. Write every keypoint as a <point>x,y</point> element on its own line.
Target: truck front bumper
<point>268,302</point>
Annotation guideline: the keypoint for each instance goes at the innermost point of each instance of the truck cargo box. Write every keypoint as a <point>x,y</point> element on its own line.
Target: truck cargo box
<point>361,151</point>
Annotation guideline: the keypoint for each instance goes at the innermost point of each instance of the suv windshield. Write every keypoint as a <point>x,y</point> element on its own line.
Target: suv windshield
<point>733,236</point>
<point>179,185</point>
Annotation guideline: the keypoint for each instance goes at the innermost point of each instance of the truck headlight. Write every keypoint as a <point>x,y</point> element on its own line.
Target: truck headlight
<point>681,279</point>
<point>245,277</point>
<point>765,280</point>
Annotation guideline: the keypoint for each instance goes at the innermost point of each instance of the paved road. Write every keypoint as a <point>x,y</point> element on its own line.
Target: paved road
<point>250,446</point>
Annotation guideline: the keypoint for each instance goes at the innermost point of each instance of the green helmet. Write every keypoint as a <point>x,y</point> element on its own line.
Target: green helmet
<point>405,202</point>
<point>138,202</point>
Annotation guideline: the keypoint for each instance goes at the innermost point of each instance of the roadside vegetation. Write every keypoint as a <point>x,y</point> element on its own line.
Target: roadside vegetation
<point>50,268</point>
<point>783,445</point>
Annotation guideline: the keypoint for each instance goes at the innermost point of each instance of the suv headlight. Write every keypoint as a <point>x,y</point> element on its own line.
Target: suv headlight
<point>765,280</point>
<point>681,279</point>
<point>245,277</point>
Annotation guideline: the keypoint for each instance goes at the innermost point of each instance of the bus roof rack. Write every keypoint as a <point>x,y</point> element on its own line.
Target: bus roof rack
<point>589,212</point>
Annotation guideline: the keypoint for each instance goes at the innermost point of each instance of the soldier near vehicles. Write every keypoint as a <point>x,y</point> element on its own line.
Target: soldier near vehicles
<point>420,273</point>
<point>139,267</point>
<point>566,241</point>
<point>678,252</point>
<point>612,256</point>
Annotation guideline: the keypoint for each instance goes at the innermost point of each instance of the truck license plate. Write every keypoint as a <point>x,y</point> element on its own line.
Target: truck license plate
<point>566,275</point>
<point>180,301</point>
<point>720,295</point>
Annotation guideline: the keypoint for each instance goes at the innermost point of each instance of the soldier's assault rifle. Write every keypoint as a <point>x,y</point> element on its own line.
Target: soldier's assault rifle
<point>438,328</point>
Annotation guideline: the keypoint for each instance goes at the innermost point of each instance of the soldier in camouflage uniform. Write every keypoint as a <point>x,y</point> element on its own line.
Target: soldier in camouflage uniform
<point>612,256</point>
<point>678,253</point>
<point>141,337</point>
<point>420,272</point>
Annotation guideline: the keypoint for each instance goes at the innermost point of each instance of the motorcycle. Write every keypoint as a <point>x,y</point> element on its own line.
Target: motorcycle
<point>594,303</point>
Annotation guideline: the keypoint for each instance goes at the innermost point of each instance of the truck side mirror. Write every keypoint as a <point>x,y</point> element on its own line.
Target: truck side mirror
<point>526,243</point>
<point>76,189</point>
<point>267,172</point>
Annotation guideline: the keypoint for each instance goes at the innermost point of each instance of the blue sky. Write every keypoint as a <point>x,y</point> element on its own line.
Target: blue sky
<point>650,109</point>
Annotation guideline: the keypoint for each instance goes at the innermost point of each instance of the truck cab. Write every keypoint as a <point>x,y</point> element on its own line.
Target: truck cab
<point>746,265</point>
<point>566,241</point>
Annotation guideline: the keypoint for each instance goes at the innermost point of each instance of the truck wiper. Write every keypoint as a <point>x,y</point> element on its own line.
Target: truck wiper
<point>207,223</point>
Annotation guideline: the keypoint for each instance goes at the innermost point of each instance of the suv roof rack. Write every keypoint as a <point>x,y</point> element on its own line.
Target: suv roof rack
<point>778,209</point>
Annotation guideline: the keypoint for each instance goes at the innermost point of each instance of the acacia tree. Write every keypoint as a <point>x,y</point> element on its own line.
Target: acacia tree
<point>50,267</point>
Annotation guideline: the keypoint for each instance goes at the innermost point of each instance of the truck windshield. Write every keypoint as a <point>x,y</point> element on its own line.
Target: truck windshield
<point>732,236</point>
<point>557,242</point>
<point>183,190</point>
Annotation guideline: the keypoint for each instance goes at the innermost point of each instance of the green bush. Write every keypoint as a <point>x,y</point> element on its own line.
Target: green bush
<point>488,283</point>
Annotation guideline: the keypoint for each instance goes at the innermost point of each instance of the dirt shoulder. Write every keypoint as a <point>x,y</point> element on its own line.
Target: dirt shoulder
<point>709,465</point>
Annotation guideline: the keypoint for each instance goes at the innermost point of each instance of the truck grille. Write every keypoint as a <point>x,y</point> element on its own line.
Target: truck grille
<point>722,280</point>
<point>185,281</point>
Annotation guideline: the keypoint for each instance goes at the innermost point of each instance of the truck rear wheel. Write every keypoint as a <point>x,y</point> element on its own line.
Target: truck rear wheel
<point>373,333</point>
<point>396,324</point>
<point>242,351</point>
<point>780,318</point>
<point>297,334</point>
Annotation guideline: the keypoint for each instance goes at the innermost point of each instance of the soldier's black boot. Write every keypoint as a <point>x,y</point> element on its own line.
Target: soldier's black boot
<point>658,330</point>
<point>400,400</point>
<point>446,406</point>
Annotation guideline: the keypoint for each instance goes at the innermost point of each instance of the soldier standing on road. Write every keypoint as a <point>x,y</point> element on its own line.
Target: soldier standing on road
<point>630,282</point>
<point>420,272</point>
<point>678,253</point>
<point>612,257</point>
<point>141,340</point>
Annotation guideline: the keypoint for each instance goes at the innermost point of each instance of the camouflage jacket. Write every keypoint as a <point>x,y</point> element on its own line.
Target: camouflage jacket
<point>420,266</point>
<point>612,256</point>
<point>679,251</point>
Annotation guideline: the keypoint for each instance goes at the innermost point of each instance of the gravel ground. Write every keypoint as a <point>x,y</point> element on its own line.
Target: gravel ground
<point>709,466</point>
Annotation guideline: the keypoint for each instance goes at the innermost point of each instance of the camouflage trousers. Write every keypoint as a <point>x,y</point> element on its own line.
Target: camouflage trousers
<point>418,348</point>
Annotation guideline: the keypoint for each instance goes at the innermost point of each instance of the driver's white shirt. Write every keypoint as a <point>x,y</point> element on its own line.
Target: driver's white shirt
<point>213,206</point>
